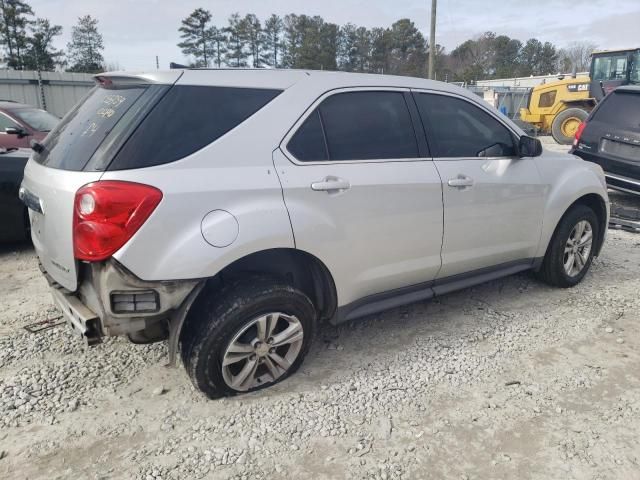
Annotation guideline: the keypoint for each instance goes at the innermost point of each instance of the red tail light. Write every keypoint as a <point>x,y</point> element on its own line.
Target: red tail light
<point>579,133</point>
<point>106,215</point>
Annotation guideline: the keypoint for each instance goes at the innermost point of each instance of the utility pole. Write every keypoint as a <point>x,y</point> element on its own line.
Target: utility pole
<point>432,40</point>
<point>157,63</point>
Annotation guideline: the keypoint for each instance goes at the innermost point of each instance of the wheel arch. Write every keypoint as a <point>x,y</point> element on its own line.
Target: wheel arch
<point>598,204</point>
<point>299,268</point>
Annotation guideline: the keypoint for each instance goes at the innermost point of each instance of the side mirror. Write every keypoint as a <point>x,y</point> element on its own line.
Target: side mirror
<point>20,132</point>
<point>529,147</point>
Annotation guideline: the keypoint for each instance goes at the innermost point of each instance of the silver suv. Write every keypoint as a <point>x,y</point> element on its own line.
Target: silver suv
<point>232,211</point>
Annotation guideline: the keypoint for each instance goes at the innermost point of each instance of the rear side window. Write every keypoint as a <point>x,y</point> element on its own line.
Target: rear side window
<point>457,128</point>
<point>187,119</point>
<point>372,125</point>
<point>620,110</point>
<point>308,144</point>
<point>73,141</point>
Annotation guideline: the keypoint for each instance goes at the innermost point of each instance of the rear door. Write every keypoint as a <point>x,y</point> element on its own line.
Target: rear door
<point>74,154</point>
<point>493,200</point>
<point>362,192</point>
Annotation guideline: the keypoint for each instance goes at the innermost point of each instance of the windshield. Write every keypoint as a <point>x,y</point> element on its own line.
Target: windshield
<point>37,119</point>
<point>634,76</point>
<point>611,67</point>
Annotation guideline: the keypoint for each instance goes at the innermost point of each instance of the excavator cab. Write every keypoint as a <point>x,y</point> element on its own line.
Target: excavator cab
<point>611,69</point>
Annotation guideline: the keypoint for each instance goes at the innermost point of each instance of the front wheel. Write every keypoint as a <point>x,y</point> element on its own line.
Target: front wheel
<point>571,249</point>
<point>247,336</point>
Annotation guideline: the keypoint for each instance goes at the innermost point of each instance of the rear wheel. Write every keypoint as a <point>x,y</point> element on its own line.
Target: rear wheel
<point>571,249</point>
<point>566,124</point>
<point>248,336</point>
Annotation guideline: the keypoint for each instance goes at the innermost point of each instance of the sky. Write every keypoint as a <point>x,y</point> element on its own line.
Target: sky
<point>135,31</point>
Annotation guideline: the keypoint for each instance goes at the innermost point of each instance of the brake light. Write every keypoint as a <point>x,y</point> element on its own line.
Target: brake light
<point>107,214</point>
<point>579,133</point>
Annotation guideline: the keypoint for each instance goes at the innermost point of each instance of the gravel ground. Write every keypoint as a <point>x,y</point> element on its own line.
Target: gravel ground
<point>511,379</point>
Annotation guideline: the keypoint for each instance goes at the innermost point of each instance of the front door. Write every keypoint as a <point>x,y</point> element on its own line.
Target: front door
<point>362,194</point>
<point>493,200</point>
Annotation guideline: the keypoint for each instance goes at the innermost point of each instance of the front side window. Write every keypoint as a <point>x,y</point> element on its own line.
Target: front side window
<point>457,128</point>
<point>364,125</point>
<point>6,122</point>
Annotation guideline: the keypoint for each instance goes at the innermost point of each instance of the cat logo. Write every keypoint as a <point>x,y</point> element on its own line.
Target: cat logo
<point>578,87</point>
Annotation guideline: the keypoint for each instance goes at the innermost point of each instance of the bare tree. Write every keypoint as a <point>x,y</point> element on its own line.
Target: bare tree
<point>576,55</point>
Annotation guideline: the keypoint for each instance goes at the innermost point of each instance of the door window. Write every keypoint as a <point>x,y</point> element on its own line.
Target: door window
<point>457,128</point>
<point>365,125</point>
<point>6,122</point>
<point>610,68</point>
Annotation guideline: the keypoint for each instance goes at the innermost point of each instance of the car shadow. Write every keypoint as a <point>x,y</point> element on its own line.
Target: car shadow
<point>15,247</point>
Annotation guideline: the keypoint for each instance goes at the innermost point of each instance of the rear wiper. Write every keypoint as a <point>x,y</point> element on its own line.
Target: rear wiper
<point>36,146</point>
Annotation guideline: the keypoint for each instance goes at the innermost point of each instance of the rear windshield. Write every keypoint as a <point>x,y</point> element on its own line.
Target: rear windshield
<point>118,128</point>
<point>71,144</point>
<point>621,110</point>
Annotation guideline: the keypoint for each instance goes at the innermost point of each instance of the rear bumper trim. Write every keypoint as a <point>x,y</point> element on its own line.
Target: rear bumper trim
<point>78,316</point>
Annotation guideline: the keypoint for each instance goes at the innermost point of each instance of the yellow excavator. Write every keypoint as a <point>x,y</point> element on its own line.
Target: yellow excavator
<point>558,108</point>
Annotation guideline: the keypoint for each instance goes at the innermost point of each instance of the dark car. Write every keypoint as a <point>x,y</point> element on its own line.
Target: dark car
<point>14,221</point>
<point>19,123</point>
<point>610,137</point>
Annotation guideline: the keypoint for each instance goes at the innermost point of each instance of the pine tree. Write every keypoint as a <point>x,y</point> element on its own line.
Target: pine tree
<point>408,49</point>
<point>348,50</point>
<point>197,36</point>
<point>218,45</point>
<point>40,53</point>
<point>236,42</point>
<point>86,46</point>
<point>15,20</point>
<point>252,31</point>
<point>272,39</point>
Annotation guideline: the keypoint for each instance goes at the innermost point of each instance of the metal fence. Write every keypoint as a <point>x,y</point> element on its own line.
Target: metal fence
<point>509,100</point>
<point>55,92</point>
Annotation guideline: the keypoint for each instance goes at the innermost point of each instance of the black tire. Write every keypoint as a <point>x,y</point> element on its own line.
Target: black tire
<point>553,271</point>
<point>565,115</point>
<point>220,314</point>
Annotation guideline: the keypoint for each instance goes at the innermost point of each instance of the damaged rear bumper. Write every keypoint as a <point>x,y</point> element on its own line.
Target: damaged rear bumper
<point>111,301</point>
<point>78,316</point>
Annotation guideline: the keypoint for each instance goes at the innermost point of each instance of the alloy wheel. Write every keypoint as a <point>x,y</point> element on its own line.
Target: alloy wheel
<point>578,248</point>
<point>262,351</point>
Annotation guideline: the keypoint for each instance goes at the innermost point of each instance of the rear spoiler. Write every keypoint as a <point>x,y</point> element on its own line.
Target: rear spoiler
<point>125,78</point>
